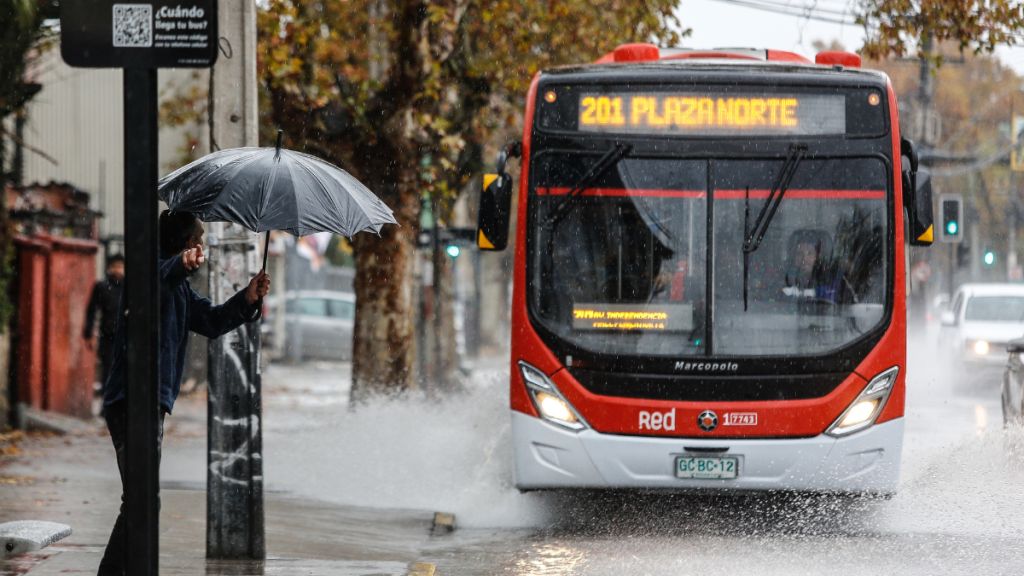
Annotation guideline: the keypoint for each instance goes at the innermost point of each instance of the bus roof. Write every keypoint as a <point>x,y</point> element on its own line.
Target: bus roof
<point>715,66</point>
<point>647,58</point>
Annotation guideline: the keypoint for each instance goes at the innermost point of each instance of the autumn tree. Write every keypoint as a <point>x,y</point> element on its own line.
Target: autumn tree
<point>975,96</point>
<point>403,94</point>
<point>894,26</point>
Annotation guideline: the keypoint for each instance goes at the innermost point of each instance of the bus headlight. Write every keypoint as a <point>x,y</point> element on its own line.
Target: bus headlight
<point>864,410</point>
<point>554,408</point>
<point>550,403</point>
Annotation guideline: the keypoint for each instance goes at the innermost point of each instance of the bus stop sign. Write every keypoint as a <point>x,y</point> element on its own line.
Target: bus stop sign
<point>158,34</point>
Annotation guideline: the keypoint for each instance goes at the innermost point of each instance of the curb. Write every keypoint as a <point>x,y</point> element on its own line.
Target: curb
<point>43,421</point>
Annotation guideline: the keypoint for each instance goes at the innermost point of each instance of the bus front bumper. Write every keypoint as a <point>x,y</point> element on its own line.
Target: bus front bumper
<point>547,456</point>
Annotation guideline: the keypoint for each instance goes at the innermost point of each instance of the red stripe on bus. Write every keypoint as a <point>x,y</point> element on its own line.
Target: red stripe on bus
<point>846,194</point>
<point>544,191</point>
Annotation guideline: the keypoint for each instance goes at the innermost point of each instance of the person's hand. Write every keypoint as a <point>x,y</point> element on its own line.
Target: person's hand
<point>258,287</point>
<point>90,344</point>
<point>193,258</point>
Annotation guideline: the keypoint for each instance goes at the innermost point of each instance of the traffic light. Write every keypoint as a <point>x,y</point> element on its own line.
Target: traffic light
<point>451,239</point>
<point>951,210</point>
<point>990,258</point>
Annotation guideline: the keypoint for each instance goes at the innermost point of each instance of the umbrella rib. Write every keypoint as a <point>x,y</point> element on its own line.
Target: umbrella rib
<point>269,180</point>
<point>356,198</point>
<point>314,172</point>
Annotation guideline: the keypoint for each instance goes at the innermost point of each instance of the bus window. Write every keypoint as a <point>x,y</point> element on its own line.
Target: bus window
<point>818,280</point>
<point>623,271</point>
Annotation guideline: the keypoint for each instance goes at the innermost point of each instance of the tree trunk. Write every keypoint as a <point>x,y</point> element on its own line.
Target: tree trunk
<point>384,346</point>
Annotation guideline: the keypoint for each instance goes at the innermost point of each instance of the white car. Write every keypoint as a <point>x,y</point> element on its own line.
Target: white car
<point>975,329</point>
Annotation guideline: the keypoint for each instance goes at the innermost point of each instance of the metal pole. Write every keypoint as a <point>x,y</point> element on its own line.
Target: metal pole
<point>952,267</point>
<point>234,474</point>
<point>925,96</point>
<point>142,321</point>
<point>436,372</point>
<point>473,330</point>
<point>234,496</point>
<point>1011,224</point>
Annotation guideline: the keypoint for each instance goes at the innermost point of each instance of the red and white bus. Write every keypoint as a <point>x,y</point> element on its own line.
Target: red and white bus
<point>709,284</point>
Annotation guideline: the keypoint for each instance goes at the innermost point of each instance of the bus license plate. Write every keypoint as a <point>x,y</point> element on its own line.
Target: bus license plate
<point>706,467</point>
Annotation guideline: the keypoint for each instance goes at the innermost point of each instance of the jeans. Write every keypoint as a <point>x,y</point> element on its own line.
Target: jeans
<point>117,421</point>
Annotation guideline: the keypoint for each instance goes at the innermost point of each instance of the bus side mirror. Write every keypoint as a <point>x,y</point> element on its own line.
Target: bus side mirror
<point>921,221</point>
<point>917,197</point>
<point>495,213</point>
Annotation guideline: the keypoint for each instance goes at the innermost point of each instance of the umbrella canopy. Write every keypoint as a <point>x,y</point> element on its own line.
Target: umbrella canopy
<point>267,189</point>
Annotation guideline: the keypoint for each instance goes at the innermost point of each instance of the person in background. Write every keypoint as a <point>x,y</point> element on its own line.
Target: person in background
<point>106,295</point>
<point>181,311</point>
<point>808,274</point>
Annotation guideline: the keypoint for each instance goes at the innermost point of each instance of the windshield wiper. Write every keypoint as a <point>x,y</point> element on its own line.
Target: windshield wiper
<point>764,219</point>
<point>602,166</point>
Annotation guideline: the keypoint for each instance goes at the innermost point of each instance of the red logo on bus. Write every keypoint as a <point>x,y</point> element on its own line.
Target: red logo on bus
<point>707,421</point>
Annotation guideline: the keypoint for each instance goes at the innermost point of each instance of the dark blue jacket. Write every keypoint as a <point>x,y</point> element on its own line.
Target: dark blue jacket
<point>181,310</point>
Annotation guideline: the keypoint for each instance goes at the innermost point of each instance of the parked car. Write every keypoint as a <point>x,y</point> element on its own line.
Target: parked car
<point>318,323</point>
<point>980,321</point>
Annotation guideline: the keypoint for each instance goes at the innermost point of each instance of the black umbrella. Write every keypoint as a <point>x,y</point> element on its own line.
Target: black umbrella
<point>268,189</point>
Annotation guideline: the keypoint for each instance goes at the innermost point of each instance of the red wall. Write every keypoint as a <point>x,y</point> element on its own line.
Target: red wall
<point>55,368</point>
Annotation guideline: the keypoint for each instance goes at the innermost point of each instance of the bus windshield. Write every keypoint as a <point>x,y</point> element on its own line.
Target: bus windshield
<point>625,272</point>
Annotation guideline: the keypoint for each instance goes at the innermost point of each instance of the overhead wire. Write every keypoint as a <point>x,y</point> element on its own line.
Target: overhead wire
<point>846,17</point>
<point>831,16</point>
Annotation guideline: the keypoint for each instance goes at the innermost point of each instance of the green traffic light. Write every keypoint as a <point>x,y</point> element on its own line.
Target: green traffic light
<point>952,228</point>
<point>453,250</point>
<point>990,258</point>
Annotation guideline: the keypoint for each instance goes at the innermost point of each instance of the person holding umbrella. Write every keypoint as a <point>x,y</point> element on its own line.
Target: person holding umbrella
<point>262,189</point>
<point>181,311</point>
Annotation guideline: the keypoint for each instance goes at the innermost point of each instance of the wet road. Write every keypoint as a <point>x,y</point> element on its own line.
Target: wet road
<point>960,508</point>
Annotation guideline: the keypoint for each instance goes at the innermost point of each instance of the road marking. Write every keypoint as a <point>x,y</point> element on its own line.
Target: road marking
<point>421,569</point>
<point>980,418</point>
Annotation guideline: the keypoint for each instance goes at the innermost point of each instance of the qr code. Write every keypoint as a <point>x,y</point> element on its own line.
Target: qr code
<point>133,25</point>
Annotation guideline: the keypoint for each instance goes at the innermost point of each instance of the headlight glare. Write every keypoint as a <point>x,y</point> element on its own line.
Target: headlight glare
<point>866,407</point>
<point>859,413</point>
<point>550,403</point>
<point>554,408</point>
<point>981,347</point>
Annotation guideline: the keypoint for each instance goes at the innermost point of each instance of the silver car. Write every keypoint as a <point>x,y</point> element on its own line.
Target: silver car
<point>318,324</point>
<point>975,330</point>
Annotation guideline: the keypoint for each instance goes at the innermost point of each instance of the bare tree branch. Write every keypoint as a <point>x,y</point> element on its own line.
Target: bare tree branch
<point>28,147</point>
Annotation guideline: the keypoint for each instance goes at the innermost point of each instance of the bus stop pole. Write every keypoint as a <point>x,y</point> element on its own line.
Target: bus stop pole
<point>142,322</point>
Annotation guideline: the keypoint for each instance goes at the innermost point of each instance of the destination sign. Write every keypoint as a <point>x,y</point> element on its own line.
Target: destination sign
<point>649,317</point>
<point>712,115</point>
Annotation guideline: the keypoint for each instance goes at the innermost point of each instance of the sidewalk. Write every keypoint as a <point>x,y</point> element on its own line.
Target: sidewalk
<point>73,480</point>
